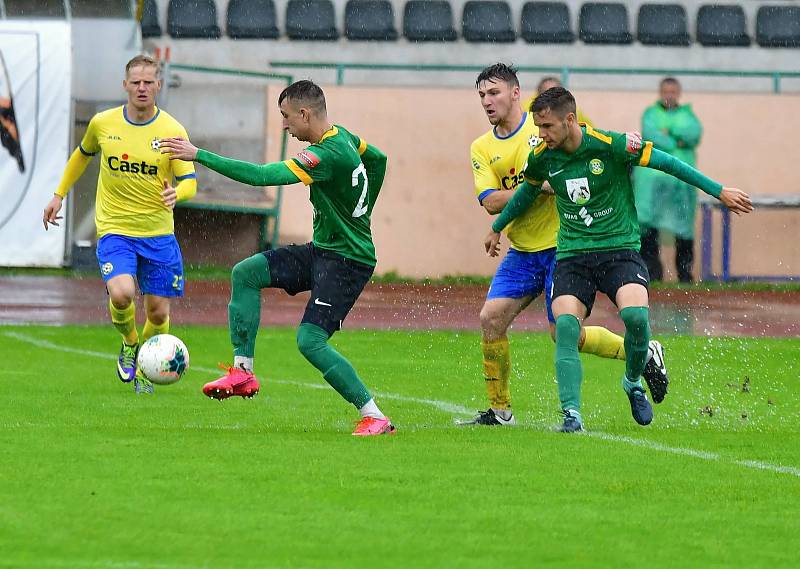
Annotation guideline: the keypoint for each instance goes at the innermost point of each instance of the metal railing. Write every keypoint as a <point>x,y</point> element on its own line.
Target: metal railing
<point>565,72</point>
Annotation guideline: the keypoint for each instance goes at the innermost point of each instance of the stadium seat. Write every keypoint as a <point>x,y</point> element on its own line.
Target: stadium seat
<point>311,20</point>
<point>722,25</point>
<point>428,20</point>
<point>252,19</point>
<point>778,26</point>
<point>192,19</point>
<point>487,21</point>
<point>662,24</point>
<point>35,9</point>
<point>604,22</point>
<point>546,22</point>
<point>150,26</point>
<point>369,20</point>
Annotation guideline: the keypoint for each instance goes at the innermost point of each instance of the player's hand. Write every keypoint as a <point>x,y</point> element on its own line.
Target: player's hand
<point>492,244</point>
<point>736,200</point>
<point>51,216</point>
<point>178,149</point>
<point>169,196</point>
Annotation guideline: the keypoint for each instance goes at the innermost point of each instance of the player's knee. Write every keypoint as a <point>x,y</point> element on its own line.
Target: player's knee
<point>636,319</point>
<point>120,298</point>
<point>239,274</point>
<point>567,330</point>
<point>158,315</point>
<point>310,340</point>
<point>492,322</point>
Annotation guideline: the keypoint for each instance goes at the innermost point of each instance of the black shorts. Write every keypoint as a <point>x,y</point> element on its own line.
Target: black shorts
<point>335,281</point>
<point>605,271</point>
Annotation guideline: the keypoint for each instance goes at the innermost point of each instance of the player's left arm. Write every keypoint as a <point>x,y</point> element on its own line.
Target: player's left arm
<point>273,174</point>
<point>375,162</point>
<point>523,198</point>
<point>734,199</point>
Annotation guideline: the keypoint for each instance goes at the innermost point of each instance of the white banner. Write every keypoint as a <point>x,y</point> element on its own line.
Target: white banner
<point>35,68</point>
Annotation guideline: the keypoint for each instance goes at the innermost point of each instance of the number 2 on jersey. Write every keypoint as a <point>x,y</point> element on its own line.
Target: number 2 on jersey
<point>361,207</point>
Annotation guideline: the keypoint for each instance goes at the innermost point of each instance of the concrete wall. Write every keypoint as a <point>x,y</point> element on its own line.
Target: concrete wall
<point>428,223</point>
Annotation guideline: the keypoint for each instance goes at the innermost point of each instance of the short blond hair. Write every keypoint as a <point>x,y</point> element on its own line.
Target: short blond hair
<point>142,60</point>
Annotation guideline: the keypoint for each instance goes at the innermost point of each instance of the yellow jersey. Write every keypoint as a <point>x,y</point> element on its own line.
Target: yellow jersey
<point>132,172</point>
<point>498,163</point>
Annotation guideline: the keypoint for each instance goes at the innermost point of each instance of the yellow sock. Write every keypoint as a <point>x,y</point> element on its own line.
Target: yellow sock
<point>604,343</point>
<point>125,322</point>
<point>151,329</point>
<point>496,371</point>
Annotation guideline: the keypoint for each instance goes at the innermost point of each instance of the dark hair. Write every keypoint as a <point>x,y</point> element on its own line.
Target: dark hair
<point>557,99</point>
<point>671,80</point>
<point>305,92</point>
<point>547,79</point>
<point>500,71</point>
<point>143,61</point>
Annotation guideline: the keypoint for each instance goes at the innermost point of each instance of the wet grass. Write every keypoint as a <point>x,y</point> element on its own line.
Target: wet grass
<point>93,476</point>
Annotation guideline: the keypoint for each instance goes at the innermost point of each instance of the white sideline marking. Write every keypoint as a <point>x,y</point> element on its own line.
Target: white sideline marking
<point>456,409</point>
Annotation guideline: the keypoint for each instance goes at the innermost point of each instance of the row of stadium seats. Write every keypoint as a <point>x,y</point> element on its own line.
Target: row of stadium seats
<point>482,21</point>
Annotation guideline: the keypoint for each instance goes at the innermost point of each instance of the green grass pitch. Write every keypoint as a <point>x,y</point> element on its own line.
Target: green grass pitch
<point>94,477</point>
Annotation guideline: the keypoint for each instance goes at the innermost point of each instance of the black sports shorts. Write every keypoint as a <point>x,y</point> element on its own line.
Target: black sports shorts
<point>335,281</point>
<point>605,271</point>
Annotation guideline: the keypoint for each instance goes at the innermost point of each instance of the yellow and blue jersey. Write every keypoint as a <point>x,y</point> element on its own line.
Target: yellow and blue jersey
<point>132,172</point>
<point>498,164</point>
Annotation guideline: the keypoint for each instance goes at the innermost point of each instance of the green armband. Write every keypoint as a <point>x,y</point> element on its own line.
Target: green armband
<point>273,174</point>
<point>662,161</point>
<point>522,199</point>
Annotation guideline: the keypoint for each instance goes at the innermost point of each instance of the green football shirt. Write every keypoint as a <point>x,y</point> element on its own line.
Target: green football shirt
<point>341,193</point>
<point>594,195</point>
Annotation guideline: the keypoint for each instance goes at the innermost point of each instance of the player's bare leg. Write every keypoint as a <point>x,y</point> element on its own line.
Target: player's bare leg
<point>121,292</point>
<point>496,316</point>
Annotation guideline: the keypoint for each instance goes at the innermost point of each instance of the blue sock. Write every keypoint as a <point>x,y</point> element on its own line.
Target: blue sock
<point>628,385</point>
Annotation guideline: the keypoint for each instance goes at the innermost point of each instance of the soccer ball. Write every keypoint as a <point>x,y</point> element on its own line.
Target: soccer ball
<point>163,359</point>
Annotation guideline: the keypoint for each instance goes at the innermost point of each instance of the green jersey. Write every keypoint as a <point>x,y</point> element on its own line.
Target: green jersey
<point>342,193</point>
<point>594,195</point>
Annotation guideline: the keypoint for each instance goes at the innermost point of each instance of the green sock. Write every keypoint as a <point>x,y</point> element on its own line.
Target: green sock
<point>637,337</point>
<point>248,277</point>
<point>628,385</point>
<point>312,341</point>
<point>568,364</point>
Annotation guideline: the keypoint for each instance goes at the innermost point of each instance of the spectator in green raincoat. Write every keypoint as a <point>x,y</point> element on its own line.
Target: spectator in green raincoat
<point>665,203</point>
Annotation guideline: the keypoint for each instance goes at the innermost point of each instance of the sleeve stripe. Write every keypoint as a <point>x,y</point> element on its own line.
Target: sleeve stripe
<point>648,150</point>
<point>186,177</point>
<point>534,182</point>
<point>540,148</point>
<point>484,193</point>
<point>298,171</point>
<point>84,152</point>
<point>362,148</point>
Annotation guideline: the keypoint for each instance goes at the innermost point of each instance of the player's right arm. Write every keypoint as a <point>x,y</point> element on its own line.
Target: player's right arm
<point>487,183</point>
<point>273,174</point>
<point>375,162</point>
<point>76,166</point>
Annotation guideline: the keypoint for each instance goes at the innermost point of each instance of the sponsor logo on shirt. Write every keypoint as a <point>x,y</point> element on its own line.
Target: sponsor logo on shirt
<point>513,179</point>
<point>596,166</point>
<point>578,190</point>
<point>308,158</point>
<point>121,164</point>
<point>633,142</point>
<point>493,160</point>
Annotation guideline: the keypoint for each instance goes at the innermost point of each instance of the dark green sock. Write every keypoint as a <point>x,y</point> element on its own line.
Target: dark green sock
<point>569,372</point>
<point>637,337</point>
<point>248,277</point>
<point>312,341</point>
